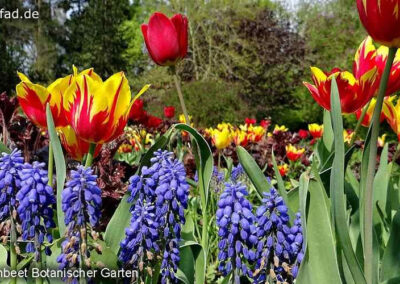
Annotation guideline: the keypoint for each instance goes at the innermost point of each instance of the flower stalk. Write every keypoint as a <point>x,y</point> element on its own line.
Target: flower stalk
<point>368,201</point>
<point>180,95</point>
<point>90,155</point>
<point>358,125</point>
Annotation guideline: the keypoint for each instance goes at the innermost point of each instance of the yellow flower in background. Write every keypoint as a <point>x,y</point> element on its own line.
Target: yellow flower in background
<point>293,153</point>
<point>98,111</point>
<point>182,119</point>
<point>283,169</point>
<point>347,135</point>
<point>316,130</point>
<point>125,148</point>
<point>221,138</point>
<point>381,140</point>
<point>255,133</point>
<point>279,129</point>
<point>239,137</point>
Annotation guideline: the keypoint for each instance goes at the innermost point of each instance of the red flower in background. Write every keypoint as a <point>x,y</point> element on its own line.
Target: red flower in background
<point>169,111</point>
<point>381,19</point>
<point>250,121</point>
<point>166,39</point>
<point>303,133</point>
<point>137,112</point>
<point>265,123</point>
<point>152,122</point>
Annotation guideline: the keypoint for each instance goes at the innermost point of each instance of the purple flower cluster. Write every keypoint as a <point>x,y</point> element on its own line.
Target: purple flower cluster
<point>81,203</point>
<point>10,165</point>
<point>35,200</point>
<point>161,195</point>
<point>279,250</point>
<point>236,224</point>
<point>261,245</point>
<point>237,173</point>
<point>140,243</point>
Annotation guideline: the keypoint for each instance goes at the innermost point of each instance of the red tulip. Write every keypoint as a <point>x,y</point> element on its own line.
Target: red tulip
<point>152,122</point>
<point>303,133</point>
<point>381,19</point>
<point>137,112</point>
<point>166,39</point>
<point>169,111</point>
<point>265,123</point>
<point>250,121</point>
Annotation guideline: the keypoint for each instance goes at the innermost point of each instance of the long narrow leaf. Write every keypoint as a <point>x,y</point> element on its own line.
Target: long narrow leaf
<point>253,171</point>
<point>320,261</point>
<point>60,167</point>
<point>391,256</point>
<point>337,189</point>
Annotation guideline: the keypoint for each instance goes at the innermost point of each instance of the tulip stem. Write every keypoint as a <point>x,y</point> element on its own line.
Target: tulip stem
<point>181,100</point>
<point>90,155</point>
<point>368,201</point>
<point>50,166</point>
<point>358,125</point>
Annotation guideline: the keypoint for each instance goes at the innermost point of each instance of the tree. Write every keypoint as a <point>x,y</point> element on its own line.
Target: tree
<point>93,37</point>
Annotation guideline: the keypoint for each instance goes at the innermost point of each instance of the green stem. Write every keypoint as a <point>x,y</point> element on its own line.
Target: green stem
<point>13,251</point>
<point>181,100</point>
<point>358,125</point>
<point>90,155</point>
<point>368,201</point>
<point>38,280</point>
<point>50,166</point>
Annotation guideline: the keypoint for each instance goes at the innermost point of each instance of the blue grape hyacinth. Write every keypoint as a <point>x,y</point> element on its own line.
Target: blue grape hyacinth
<point>140,244</point>
<point>237,173</point>
<point>10,165</point>
<point>279,250</point>
<point>160,194</point>
<point>81,203</point>
<point>237,232</point>
<point>172,194</point>
<point>35,208</point>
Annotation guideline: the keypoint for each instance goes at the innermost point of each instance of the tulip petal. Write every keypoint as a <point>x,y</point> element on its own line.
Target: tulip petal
<point>364,58</point>
<point>181,25</point>
<point>317,97</point>
<point>162,37</point>
<point>33,99</point>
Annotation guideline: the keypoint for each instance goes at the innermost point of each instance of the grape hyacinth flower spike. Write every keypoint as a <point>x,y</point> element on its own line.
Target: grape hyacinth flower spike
<point>161,195</point>
<point>236,224</point>
<point>279,250</point>
<point>10,165</point>
<point>81,203</point>
<point>35,209</point>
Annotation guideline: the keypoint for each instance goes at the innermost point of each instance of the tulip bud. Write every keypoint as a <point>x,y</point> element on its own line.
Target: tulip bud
<point>166,39</point>
<point>381,19</point>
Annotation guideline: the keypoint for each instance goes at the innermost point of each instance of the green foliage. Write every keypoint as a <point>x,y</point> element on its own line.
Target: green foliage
<point>208,101</point>
<point>93,36</point>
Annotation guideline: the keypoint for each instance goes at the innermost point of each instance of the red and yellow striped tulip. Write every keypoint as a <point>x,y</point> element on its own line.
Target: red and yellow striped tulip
<point>368,57</point>
<point>392,114</point>
<point>34,97</point>
<point>75,146</point>
<point>370,111</point>
<point>381,19</point>
<point>98,111</point>
<point>354,92</point>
